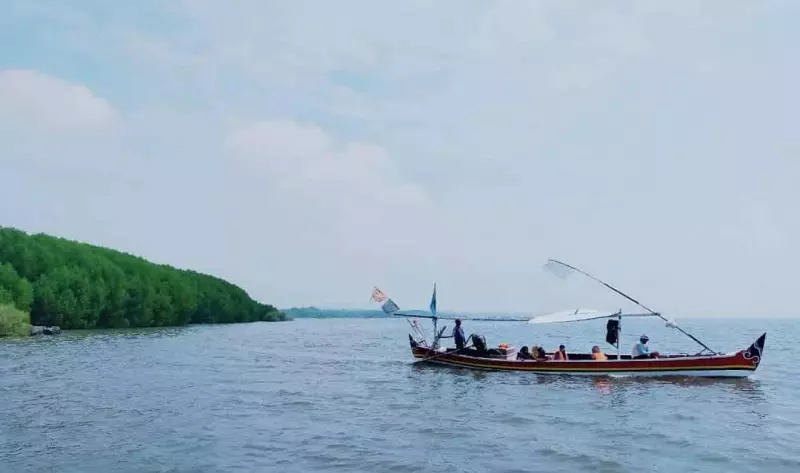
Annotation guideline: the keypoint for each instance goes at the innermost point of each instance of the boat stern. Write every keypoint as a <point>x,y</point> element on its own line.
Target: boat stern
<point>755,352</point>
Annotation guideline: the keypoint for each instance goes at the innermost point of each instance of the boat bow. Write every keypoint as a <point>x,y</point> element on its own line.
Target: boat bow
<point>755,351</point>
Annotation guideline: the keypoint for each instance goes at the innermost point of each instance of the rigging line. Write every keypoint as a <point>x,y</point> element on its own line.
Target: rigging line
<point>606,285</point>
<point>480,319</point>
<point>632,300</point>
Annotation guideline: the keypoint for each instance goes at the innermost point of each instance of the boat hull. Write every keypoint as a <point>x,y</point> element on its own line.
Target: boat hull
<point>735,365</point>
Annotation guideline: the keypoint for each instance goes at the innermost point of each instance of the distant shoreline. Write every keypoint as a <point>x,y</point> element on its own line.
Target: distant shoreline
<point>319,313</point>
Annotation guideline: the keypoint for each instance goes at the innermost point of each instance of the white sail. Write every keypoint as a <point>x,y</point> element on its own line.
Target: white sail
<point>573,315</point>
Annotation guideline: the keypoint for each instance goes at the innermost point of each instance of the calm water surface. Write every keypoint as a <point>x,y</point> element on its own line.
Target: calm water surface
<point>342,395</point>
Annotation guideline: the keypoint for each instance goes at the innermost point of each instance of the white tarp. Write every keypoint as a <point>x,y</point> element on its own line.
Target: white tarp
<point>573,315</point>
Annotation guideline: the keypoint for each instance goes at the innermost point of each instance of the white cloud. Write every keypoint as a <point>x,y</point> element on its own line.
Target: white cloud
<point>354,187</point>
<point>41,100</point>
<point>310,149</point>
<point>59,131</point>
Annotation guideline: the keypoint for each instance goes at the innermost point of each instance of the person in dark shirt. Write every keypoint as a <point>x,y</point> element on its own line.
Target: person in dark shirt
<point>458,335</point>
<point>542,355</point>
<point>524,354</point>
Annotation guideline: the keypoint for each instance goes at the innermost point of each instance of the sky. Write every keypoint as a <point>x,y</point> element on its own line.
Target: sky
<point>310,150</point>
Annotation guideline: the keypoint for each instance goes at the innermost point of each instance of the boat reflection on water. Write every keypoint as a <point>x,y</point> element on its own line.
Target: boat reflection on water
<point>748,388</point>
<point>624,399</point>
<point>602,386</point>
<point>436,371</point>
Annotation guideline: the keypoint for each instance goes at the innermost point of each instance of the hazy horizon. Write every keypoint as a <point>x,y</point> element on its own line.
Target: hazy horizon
<point>491,313</point>
<point>308,151</point>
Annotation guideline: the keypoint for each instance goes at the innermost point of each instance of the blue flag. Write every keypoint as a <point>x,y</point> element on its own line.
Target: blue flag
<point>433,300</point>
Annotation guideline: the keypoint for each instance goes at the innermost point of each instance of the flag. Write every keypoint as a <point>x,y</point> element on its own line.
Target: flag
<point>389,306</point>
<point>378,296</point>
<point>433,300</point>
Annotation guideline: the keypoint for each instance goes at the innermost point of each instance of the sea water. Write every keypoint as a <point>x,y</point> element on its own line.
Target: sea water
<point>343,395</point>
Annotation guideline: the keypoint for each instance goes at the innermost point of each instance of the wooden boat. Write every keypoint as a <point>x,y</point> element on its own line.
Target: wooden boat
<point>739,364</point>
<point>477,355</point>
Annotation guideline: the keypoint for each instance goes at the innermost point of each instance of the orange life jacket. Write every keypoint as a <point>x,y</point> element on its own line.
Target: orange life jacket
<point>599,356</point>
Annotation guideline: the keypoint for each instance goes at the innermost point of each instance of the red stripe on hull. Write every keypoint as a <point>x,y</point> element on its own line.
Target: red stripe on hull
<point>736,361</point>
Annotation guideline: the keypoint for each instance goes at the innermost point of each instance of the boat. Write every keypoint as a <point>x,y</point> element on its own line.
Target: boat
<point>477,355</point>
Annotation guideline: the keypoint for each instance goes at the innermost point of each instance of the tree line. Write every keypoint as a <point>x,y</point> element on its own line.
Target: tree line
<point>78,286</point>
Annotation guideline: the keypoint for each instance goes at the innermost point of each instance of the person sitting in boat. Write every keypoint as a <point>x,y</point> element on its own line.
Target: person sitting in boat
<point>542,353</point>
<point>523,353</point>
<point>561,353</point>
<point>597,354</point>
<point>641,350</point>
<point>538,353</point>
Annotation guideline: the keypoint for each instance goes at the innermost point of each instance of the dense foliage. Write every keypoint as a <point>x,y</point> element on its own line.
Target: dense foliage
<point>13,322</point>
<point>76,285</point>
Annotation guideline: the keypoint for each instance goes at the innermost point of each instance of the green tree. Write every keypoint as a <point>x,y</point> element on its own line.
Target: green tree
<point>78,285</point>
<point>14,289</point>
<point>13,322</point>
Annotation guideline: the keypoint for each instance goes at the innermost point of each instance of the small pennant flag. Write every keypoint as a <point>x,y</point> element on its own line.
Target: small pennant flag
<point>433,300</point>
<point>378,296</point>
<point>389,306</point>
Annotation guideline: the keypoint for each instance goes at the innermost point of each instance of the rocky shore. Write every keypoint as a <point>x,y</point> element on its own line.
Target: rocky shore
<point>41,330</point>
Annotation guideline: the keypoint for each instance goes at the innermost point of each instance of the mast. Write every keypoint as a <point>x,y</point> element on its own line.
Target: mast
<point>435,334</point>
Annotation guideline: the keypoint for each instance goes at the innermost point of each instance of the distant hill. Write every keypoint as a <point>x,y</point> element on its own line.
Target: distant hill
<point>317,313</point>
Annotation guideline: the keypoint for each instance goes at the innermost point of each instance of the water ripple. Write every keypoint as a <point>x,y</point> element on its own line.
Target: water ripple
<point>235,398</point>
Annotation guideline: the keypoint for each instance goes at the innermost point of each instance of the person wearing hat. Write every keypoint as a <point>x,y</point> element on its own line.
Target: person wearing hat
<point>641,350</point>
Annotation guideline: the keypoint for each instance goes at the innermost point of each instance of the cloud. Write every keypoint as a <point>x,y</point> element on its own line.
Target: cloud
<point>301,157</point>
<point>310,150</point>
<point>46,102</point>
<point>58,130</point>
<point>353,189</point>
<point>288,194</point>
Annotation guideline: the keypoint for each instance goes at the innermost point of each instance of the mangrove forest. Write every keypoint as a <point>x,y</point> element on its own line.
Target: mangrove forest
<point>58,282</point>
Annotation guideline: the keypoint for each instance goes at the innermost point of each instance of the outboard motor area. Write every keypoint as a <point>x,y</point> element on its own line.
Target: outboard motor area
<point>479,342</point>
